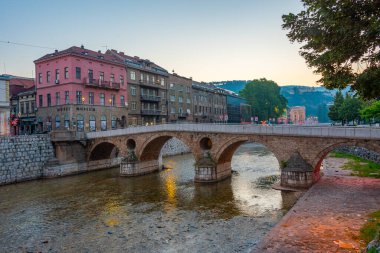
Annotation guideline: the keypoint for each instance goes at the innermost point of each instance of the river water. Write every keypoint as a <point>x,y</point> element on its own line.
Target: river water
<point>160,212</point>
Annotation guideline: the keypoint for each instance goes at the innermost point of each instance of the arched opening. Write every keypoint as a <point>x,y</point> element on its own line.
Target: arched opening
<point>131,144</point>
<point>104,150</point>
<point>205,143</point>
<point>336,159</point>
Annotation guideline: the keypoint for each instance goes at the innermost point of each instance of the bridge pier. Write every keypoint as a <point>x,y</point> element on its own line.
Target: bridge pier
<point>298,173</point>
<point>137,168</point>
<point>207,171</point>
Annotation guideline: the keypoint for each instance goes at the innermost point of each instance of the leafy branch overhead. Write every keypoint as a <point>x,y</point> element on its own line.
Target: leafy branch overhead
<point>340,39</point>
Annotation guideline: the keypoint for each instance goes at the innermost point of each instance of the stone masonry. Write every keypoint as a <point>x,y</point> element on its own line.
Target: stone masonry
<point>23,157</point>
<point>174,147</point>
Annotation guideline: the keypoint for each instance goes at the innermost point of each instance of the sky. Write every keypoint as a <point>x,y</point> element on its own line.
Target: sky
<point>208,40</point>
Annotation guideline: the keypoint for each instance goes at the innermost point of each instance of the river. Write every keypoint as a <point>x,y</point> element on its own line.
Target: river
<point>161,212</point>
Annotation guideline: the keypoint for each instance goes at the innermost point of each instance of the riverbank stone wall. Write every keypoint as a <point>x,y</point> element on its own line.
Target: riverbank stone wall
<point>174,147</point>
<point>23,157</point>
<point>360,152</point>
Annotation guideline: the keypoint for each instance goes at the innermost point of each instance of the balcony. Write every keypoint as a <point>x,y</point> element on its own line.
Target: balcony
<point>155,84</point>
<point>150,112</point>
<point>101,84</point>
<point>150,98</point>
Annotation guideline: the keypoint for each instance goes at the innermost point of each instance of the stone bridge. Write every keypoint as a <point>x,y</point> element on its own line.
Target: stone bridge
<point>299,150</point>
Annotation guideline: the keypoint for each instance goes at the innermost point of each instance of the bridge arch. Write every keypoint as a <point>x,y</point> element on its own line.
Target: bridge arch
<point>151,147</point>
<point>104,150</point>
<point>317,162</point>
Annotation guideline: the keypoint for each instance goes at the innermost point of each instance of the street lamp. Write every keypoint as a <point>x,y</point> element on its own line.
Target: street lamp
<point>83,99</point>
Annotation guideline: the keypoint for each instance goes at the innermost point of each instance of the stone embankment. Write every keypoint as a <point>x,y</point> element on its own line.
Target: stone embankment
<point>360,152</point>
<point>328,217</point>
<point>174,147</point>
<point>23,157</point>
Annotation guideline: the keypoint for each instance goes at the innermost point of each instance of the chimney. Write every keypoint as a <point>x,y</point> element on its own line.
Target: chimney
<point>56,51</point>
<point>99,51</point>
<point>81,46</point>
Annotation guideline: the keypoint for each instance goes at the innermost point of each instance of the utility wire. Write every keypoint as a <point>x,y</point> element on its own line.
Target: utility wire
<point>24,44</point>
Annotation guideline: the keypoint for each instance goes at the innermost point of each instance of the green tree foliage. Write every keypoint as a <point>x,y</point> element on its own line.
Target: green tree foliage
<point>334,114</point>
<point>341,41</point>
<point>264,97</point>
<point>371,112</point>
<point>345,109</point>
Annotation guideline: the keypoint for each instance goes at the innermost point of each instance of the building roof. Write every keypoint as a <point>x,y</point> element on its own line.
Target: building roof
<point>138,63</point>
<point>207,87</point>
<point>82,52</point>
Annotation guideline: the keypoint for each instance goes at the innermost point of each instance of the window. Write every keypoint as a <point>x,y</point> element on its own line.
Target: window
<point>180,99</point>
<point>78,73</point>
<point>90,75</point>
<point>92,123</point>
<point>172,98</point>
<point>79,97</point>
<point>101,76</point>
<point>163,94</point>
<point>102,99</point>
<point>171,85</point>
<point>133,90</point>
<point>57,99</point>
<point>103,123</point>
<point>164,108</point>
<point>153,79</point>
<point>172,110</point>
<point>122,101</point>
<point>187,89</point>
<point>147,78</point>
<point>80,123</point>
<point>67,122</point>
<point>112,78</point>
<point>133,75</point>
<point>91,98</point>
<point>113,122</point>
<point>188,100</point>
<point>57,122</point>
<point>112,100</point>
<point>141,77</point>
<point>180,110</point>
<point>32,106</point>
<point>66,73</point>
<point>67,97</point>
<point>162,81</point>
<point>48,98</point>
<point>48,76</point>
<point>40,101</point>
<point>22,107</point>
<point>39,78</point>
<point>133,106</point>
<point>27,107</point>
<point>121,79</point>
<point>56,74</point>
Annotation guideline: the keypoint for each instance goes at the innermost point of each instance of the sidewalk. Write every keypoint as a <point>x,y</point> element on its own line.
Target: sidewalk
<point>327,217</point>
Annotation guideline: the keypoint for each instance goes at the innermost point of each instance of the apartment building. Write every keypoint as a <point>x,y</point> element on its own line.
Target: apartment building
<point>180,98</point>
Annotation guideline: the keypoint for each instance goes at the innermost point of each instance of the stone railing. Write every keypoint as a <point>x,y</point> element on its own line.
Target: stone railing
<point>283,130</point>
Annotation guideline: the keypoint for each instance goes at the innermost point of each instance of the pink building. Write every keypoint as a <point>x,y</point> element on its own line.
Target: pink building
<point>297,115</point>
<point>80,89</point>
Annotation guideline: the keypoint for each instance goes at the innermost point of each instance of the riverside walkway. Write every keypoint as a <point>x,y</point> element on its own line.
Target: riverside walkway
<point>326,218</point>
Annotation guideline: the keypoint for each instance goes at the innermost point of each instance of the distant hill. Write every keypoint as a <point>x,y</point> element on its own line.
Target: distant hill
<point>315,99</point>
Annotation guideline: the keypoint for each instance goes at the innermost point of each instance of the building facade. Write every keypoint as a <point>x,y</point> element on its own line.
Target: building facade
<point>180,98</point>
<point>297,115</point>
<point>238,110</point>
<point>80,89</point>
<point>4,106</point>
<point>147,94</point>
<point>23,107</point>
<point>210,103</point>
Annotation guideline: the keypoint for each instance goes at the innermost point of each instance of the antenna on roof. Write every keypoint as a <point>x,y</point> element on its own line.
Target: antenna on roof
<point>105,47</point>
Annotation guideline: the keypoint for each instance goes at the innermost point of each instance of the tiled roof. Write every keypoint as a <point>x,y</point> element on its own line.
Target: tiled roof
<point>83,52</point>
<point>24,82</point>
<point>137,62</point>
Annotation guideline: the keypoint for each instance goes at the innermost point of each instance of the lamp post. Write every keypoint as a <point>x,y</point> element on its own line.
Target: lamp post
<point>110,101</point>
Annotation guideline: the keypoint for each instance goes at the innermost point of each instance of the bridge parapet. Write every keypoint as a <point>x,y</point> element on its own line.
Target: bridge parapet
<point>283,130</point>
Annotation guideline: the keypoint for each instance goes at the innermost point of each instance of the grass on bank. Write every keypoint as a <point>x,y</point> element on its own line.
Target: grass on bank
<point>359,166</point>
<point>371,229</point>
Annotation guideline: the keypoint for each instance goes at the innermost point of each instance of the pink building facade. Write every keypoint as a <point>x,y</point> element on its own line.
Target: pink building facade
<point>79,89</point>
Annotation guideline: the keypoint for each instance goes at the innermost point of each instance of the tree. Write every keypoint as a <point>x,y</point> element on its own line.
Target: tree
<point>350,109</point>
<point>371,112</point>
<point>264,97</point>
<point>334,114</point>
<point>341,41</point>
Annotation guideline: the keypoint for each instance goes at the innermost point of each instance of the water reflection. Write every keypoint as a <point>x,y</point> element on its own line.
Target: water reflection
<point>90,208</point>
